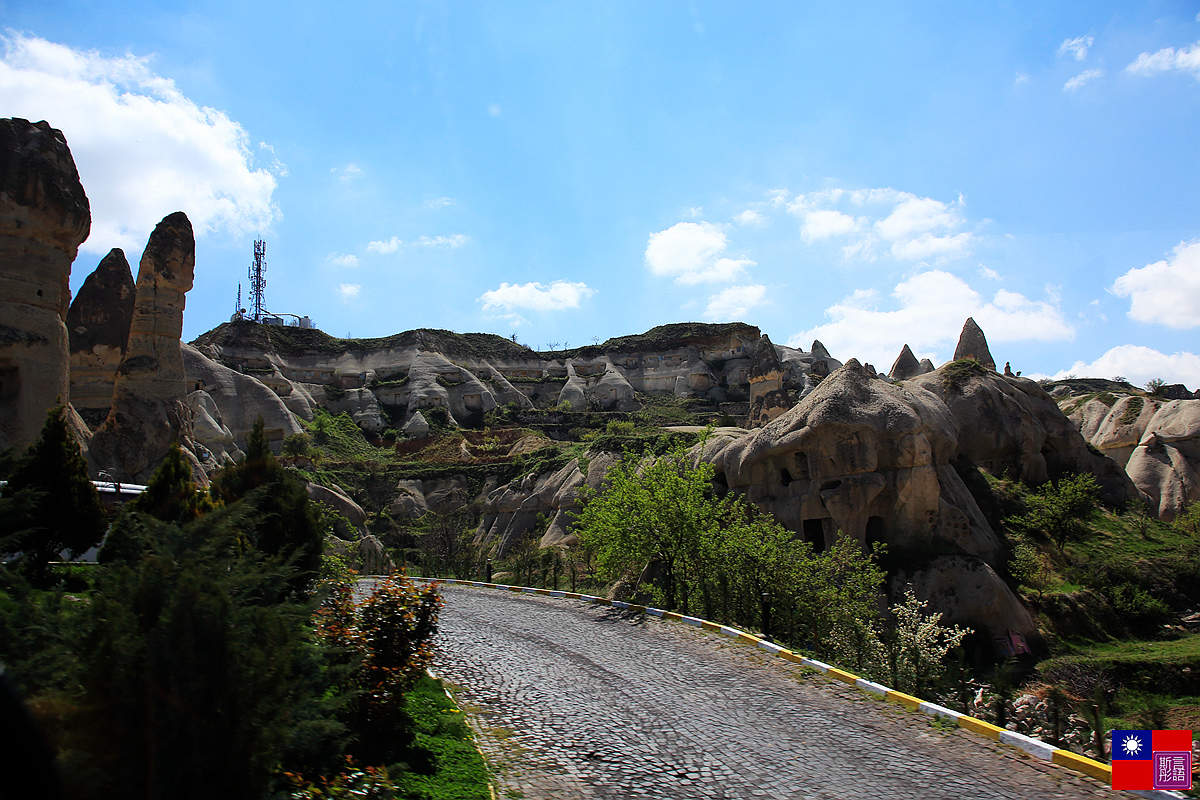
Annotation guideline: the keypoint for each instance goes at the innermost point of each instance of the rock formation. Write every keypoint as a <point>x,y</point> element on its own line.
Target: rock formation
<point>149,408</point>
<point>768,398</point>
<point>471,374</point>
<point>905,366</point>
<point>98,323</point>
<point>44,217</point>
<point>511,511</point>
<point>1165,465</point>
<point>973,344</point>
<point>238,401</point>
<point>864,458</point>
<point>1011,426</point>
<point>1122,428</point>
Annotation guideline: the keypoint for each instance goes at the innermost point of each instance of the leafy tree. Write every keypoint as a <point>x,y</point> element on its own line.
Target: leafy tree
<point>56,506</point>
<point>658,512</point>
<point>1060,510</point>
<point>1030,566</point>
<point>721,552</point>
<point>1155,386</point>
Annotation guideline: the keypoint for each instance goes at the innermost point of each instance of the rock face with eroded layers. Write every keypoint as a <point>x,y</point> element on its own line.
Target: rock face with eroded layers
<point>149,408</point>
<point>468,375</point>
<point>1011,426</point>
<point>44,217</point>
<point>98,323</point>
<point>864,458</point>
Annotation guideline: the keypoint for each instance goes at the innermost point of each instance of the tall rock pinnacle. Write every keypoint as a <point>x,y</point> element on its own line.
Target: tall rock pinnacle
<point>149,393</point>
<point>98,323</point>
<point>973,344</point>
<point>44,217</point>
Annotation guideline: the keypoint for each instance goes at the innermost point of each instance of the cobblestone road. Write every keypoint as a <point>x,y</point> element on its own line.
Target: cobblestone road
<point>573,700</point>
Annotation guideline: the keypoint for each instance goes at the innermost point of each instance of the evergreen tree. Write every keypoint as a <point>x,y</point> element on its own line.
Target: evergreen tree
<point>171,494</point>
<point>284,523</point>
<point>59,508</point>
<point>195,668</point>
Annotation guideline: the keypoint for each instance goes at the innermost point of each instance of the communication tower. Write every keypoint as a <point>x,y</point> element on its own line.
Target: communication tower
<point>258,281</point>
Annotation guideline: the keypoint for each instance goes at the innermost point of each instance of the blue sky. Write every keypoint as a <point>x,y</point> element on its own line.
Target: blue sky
<point>852,172</point>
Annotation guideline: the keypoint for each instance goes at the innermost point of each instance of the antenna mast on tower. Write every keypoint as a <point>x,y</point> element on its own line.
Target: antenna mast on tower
<point>258,281</point>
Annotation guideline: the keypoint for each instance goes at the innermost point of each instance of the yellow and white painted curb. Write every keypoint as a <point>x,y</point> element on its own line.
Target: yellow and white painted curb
<point>1035,747</point>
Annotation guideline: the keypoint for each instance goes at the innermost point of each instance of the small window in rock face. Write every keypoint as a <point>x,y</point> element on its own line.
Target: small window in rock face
<point>801,466</point>
<point>785,477</point>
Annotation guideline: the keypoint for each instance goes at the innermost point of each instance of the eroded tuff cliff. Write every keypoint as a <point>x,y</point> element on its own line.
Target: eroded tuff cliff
<point>149,409</point>
<point>44,217</point>
<point>470,374</point>
<point>98,323</point>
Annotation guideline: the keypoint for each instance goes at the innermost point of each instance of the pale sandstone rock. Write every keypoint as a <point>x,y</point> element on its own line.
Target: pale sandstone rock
<point>416,427</point>
<point>973,344</point>
<point>340,502</point>
<point>1010,426</point>
<point>860,456</point>
<point>149,409</point>
<point>98,323</point>
<point>209,431</point>
<point>362,407</point>
<point>1165,466</point>
<point>768,398</point>
<point>1089,417</point>
<point>44,216</point>
<point>1123,427</point>
<point>969,592</point>
<point>240,400</point>
<point>511,511</point>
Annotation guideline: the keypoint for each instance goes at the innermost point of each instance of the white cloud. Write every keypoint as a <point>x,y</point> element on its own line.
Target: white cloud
<point>142,148</point>
<point>1021,78</point>
<point>694,212</point>
<point>1185,59</point>
<point>1165,292</point>
<point>558,296</point>
<point>751,216</point>
<point>349,291</point>
<point>385,246</point>
<point>989,273</point>
<point>347,260</point>
<point>914,216</point>
<point>927,246</point>
<point>346,172</point>
<point>824,223</point>
<point>733,303</point>
<point>1077,47</point>
<point>1082,78</point>
<point>453,242</point>
<point>440,202</point>
<point>931,309</point>
<point>690,252</point>
<point>1139,365</point>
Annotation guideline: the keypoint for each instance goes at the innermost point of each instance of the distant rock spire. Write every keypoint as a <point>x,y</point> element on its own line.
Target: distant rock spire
<point>973,344</point>
<point>906,366</point>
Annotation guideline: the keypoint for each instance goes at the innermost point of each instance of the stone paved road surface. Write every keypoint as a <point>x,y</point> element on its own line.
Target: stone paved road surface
<point>579,701</point>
